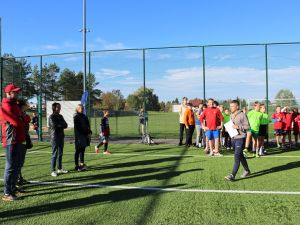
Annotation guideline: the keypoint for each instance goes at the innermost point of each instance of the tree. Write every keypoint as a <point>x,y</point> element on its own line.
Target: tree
<point>136,100</point>
<point>285,97</point>
<point>109,101</point>
<point>17,71</point>
<point>176,101</point>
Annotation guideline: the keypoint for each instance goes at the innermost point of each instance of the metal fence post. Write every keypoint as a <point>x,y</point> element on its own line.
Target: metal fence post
<point>144,82</point>
<point>267,77</point>
<point>1,85</point>
<point>40,113</point>
<point>203,67</point>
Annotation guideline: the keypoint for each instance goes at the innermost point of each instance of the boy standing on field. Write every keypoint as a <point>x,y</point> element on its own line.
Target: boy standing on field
<point>263,129</point>
<point>254,117</point>
<point>287,126</point>
<point>212,122</point>
<point>277,119</point>
<point>189,121</point>
<point>104,133</point>
<point>182,109</point>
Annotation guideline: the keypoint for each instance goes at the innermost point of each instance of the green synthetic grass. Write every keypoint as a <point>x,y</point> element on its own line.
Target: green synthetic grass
<point>155,166</point>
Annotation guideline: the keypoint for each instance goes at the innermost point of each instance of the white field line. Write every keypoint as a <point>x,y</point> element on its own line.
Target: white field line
<point>167,155</point>
<point>164,189</point>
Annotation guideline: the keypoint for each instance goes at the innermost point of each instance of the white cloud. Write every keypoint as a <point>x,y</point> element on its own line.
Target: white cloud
<point>194,56</point>
<point>164,56</point>
<point>111,73</point>
<point>51,47</point>
<point>225,82</point>
<point>106,45</point>
<point>222,57</point>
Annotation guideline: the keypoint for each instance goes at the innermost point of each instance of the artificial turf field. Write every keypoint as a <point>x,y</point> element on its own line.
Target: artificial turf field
<point>160,184</point>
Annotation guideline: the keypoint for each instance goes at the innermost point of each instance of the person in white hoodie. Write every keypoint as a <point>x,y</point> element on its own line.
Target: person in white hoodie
<point>182,109</point>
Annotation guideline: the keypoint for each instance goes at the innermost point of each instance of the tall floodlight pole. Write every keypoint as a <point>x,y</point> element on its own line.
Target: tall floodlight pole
<point>84,30</point>
<point>0,37</point>
<point>84,45</point>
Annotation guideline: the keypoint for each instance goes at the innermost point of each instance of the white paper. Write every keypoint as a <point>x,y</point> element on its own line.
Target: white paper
<point>231,131</point>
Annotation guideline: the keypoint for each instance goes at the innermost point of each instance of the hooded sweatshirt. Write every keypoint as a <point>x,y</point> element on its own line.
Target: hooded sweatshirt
<point>241,120</point>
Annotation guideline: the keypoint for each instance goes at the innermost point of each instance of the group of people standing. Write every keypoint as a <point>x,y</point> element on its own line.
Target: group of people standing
<point>16,139</point>
<point>208,120</point>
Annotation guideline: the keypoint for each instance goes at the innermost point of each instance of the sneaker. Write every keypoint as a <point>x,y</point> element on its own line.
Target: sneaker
<point>179,144</point>
<point>54,174</point>
<point>230,178</point>
<point>19,191</point>
<point>9,198</point>
<point>199,145</point>
<point>218,154</point>
<point>84,166</point>
<point>106,153</point>
<point>97,150</point>
<point>211,153</point>
<point>62,171</point>
<point>278,146</point>
<point>80,169</point>
<point>245,174</point>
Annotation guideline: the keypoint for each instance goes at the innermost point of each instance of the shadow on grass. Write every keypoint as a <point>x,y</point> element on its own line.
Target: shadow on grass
<point>78,203</point>
<point>288,166</point>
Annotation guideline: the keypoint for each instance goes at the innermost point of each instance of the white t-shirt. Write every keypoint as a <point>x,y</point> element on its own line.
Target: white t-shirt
<point>182,110</point>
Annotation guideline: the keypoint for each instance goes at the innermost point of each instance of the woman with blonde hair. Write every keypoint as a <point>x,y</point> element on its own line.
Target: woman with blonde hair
<point>82,137</point>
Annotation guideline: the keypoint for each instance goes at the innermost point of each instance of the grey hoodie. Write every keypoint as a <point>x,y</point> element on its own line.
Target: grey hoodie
<point>241,120</point>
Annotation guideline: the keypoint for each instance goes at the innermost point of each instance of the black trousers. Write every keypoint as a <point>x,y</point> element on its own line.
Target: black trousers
<point>79,155</point>
<point>189,135</point>
<point>181,130</point>
<point>238,146</point>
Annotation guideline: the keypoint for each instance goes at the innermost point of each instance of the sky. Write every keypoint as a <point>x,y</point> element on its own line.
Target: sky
<point>34,27</point>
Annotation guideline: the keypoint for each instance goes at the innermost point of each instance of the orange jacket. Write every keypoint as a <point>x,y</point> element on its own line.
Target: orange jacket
<point>188,117</point>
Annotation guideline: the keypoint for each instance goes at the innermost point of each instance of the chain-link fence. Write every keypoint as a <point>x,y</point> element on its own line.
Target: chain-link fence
<point>125,81</point>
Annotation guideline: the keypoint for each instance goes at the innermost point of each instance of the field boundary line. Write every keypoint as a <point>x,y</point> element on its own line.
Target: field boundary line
<point>161,189</point>
<point>169,155</point>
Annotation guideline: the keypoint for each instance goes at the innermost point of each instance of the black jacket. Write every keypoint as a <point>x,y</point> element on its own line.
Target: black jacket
<point>57,124</point>
<point>82,130</point>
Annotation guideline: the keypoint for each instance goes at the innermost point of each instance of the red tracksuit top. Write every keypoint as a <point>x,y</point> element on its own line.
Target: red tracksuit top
<point>212,117</point>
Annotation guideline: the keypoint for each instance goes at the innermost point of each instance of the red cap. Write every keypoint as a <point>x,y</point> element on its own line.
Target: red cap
<point>12,87</point>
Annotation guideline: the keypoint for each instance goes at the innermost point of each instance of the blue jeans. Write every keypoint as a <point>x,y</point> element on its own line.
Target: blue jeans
<point>13,166</point>
<point>57,153</point>
<point>238,146</point>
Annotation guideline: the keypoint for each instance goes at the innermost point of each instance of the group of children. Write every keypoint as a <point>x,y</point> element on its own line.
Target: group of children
<point>212,116</point>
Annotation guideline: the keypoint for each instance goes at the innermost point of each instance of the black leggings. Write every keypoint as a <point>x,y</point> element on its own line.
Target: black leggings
<point>79,154</point>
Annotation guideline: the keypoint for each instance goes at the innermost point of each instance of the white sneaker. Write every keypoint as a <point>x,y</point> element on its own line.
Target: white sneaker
<point>211,153</point>
<point>62,171</point>
<point>218,154</point>
<point>54,174</point>
<point>199,145</point>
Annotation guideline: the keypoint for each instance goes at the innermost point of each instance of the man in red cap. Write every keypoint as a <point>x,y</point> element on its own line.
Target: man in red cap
<point>13,136</point>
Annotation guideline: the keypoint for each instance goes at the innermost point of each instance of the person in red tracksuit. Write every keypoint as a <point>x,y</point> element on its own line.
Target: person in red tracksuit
<point>287,126</point>
<point>13,136</point>
<point>277,119</point>
<point>296,124</point>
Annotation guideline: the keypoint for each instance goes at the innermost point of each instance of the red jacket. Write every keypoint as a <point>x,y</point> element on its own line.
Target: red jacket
<point>287,121</point>
<point>212,117</point>
<point>278,125</point>
<point>297,123</point>
<point>12,123</point>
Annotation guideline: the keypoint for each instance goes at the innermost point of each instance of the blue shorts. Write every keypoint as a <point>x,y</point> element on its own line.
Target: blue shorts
<point>212,134</point>
<point>278,132</point>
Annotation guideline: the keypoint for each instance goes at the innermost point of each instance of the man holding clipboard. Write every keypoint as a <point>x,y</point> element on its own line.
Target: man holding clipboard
<point>237,128</point>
